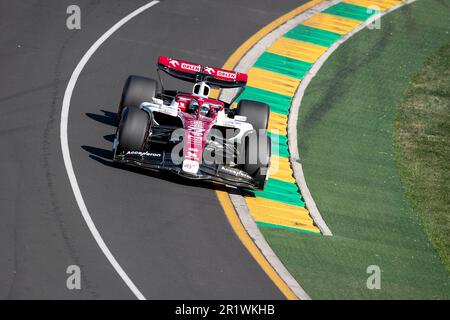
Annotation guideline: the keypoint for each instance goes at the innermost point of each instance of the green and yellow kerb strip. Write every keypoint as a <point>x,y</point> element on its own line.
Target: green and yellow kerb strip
<point>274,79</point>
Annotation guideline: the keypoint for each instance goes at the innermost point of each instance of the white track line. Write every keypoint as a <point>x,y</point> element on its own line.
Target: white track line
<point>66,153</point>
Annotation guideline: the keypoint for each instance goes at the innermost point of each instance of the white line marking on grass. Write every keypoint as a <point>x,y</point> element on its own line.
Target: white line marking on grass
<point>66,153</point>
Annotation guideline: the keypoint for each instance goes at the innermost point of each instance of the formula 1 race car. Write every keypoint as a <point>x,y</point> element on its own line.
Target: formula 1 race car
<point>192,134</point>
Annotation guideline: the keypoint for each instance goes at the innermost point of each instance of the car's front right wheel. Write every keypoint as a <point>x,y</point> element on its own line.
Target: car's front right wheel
<point>257,113</point>
<point>257,148</point>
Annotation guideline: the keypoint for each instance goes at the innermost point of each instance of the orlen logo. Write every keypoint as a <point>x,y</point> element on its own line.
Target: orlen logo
<point>225,74</point>
<point>209,70</point>
<point>174,63</point>
<point>190,67</point>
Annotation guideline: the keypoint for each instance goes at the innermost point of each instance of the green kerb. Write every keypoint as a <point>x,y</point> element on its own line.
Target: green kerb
<point>351,11</point>
<point>278,103</point>
<point>283,65</point>
<point>277,226</point>
<point>281,191</point>
<point>279,145</point>
<point>312,35</point>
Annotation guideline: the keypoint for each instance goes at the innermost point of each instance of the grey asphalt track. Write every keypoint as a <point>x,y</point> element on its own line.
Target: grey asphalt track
<point>170,236</point>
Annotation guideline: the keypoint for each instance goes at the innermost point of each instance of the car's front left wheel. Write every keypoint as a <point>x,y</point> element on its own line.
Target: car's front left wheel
<point>133,130</point>
<point>136,90</point>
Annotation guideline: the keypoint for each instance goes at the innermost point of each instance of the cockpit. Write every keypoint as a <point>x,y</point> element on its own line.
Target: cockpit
<point>205,109</point>
<point>198,102</point>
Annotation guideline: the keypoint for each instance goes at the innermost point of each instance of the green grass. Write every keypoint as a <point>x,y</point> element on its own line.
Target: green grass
<point>422,147</point>
<point>345,133</point>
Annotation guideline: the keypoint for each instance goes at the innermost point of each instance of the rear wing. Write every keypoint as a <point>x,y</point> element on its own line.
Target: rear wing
<point>193,72</point>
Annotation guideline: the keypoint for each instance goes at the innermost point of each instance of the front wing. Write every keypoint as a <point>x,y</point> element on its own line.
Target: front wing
<point>163,161</point>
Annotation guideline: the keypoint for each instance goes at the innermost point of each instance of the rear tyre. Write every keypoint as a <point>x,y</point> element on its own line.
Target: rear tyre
<point>136,90</point>
<point>257,152</point>
<point>257,113</point>
<point>133,130</point>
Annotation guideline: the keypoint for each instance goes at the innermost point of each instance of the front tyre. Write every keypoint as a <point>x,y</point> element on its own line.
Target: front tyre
<point>136,90</point>
<point>257,113</point>
<point>133,130</point>
<point>257,148</point>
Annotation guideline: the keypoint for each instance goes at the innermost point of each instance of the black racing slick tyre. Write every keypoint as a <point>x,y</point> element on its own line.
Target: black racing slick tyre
<point>257,113</point>
<point>133,130</point>
<point>136,90</point>
<point>257,152</point>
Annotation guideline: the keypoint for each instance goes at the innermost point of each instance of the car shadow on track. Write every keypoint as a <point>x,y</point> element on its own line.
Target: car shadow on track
<point>108,117</point>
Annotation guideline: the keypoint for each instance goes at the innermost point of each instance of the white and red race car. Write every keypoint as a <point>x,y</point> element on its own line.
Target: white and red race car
<point>192,134</point>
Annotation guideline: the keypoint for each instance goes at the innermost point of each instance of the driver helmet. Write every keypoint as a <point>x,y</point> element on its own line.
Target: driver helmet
<point>192,107</point>
<point>204,110</point>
